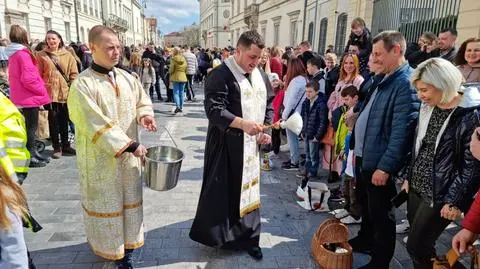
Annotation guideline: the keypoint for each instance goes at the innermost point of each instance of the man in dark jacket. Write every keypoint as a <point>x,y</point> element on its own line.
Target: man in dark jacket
<point>158,64</point>
<point>383,135</point>
<point>446,44</point>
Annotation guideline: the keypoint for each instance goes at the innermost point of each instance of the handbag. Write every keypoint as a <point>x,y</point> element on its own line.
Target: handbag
<point>448,261</point>
<point>329,136</point>
<point>445,261</point>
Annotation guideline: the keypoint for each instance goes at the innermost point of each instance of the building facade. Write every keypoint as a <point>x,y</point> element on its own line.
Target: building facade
<point>214,23</point>
<point>174,39</point>
<point>39,16</point>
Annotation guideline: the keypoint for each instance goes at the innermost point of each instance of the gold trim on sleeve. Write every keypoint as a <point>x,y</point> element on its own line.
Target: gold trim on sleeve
<point>123,149</point>
<point>103,130</point>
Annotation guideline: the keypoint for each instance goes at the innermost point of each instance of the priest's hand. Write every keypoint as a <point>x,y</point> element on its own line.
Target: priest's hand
<point>140,152</point>
<point>148,122</point>
<point>264,139</point>
<point>251,127</point>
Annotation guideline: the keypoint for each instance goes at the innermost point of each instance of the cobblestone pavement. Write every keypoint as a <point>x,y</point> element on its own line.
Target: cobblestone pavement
<point>287,229</point>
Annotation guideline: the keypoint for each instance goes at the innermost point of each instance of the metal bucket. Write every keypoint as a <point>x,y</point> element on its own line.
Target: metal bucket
<point>162,167</point>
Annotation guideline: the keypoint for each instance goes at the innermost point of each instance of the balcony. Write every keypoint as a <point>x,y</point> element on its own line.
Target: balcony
<point>117,23</point>
<point>250,16</point>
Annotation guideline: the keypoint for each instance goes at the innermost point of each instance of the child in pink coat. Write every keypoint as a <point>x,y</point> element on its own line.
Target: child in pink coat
<point>27,89</point>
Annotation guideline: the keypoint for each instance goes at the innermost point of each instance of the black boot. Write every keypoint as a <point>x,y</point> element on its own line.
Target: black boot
<point>256,253</point>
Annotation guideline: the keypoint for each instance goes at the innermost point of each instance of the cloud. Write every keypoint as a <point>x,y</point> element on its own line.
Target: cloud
<point>163,20</point>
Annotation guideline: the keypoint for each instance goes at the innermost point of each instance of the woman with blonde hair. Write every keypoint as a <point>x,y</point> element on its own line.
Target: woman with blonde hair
<point>13,207</point>
<point>178,77</point>
<point>443,175</point>
<point>276,61</point>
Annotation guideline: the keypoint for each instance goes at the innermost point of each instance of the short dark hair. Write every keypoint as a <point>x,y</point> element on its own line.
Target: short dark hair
<point>351,91</point>
<point>249,38</point>
<point>390,39</point>
<point>305,43</point>
<point>317,61</point>
<point>452,31</point>
<point>313,85</point>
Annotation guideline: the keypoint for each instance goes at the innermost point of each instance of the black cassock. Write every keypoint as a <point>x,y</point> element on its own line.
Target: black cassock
<point>217,222</point>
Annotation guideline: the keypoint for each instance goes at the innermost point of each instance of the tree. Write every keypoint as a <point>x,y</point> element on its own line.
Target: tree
<point>192,35</point>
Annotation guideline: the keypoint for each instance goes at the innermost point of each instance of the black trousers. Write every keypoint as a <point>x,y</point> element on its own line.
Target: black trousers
<point>378,221</point>
<point>58,124</point>
<point>276,140</point>
<point>31,123</point>
<point>189,87</point>
<point>426,225</point>
<point>365,232</point>
<point>156,86</point>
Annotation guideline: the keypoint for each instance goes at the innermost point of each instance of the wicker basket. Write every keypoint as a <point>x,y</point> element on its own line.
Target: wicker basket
<point>331,231</point>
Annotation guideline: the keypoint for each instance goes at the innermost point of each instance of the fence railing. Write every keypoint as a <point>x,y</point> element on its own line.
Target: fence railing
<point>413,17</point>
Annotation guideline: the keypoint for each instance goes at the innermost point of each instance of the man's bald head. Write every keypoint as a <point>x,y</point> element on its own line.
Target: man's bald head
<point>96,33</point>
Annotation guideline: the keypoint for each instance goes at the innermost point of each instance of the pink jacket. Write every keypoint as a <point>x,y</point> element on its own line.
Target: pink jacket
<point>27,88</point>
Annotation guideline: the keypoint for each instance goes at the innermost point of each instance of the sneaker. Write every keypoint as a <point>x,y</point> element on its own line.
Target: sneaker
<point>403,227</point>
<point>272,155</point>
<point>342,214</point>
<point>290,167</point>
<point>405,239</point>
<point>350,220</point>
<point>284,148</point>
<point>336,211</point>
<point>302,174</point>
<point>286,162</point>
<point>451,226</point>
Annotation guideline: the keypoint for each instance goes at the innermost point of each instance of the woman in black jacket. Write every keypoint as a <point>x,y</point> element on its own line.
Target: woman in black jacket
<point>443,175</point>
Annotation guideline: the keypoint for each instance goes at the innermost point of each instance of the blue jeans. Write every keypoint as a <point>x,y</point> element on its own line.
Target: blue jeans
<point>292,139</point>
<point>313,157</point>
<point>178,89</point>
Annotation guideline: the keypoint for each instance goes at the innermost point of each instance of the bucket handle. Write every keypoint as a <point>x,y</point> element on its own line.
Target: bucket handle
<point>168,132</point>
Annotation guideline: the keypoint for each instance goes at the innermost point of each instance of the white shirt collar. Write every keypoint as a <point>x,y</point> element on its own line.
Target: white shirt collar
<point>238,66</point>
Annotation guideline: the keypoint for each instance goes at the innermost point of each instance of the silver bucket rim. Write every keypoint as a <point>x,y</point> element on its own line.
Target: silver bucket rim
<point>157,161</point>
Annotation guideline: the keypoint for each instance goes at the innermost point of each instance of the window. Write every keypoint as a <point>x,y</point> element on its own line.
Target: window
<point>341,33</point>
<point>293,33</point>
<point>310,33</point>
<point>322,35</point>
<point>233,7</point>
<point>115,4</point>
<point>276,33</point>
<point>82,34</point>
<point>48,24</point>
<point>67,31</point>
<point>264,32</point>
<point>91,7</point>
<point>238,6</point>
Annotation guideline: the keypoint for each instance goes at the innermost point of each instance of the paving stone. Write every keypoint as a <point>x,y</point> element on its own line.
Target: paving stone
<point>287,229</point>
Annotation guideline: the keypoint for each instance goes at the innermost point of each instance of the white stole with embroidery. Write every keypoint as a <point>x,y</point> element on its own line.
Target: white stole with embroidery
<point>254,102</point>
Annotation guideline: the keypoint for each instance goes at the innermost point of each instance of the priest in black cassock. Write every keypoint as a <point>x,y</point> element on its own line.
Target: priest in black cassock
<point>238,99</point>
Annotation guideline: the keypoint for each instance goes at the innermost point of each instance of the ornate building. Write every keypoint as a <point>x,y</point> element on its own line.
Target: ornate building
<point>214,23</point>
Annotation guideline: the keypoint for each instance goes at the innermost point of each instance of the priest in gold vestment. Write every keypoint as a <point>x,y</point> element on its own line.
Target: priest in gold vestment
<point>107,106</point>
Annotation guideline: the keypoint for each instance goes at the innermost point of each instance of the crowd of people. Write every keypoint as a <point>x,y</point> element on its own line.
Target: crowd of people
<point>380,115</point>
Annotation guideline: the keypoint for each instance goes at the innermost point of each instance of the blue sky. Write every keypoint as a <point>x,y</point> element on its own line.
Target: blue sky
<point>173,15</point>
